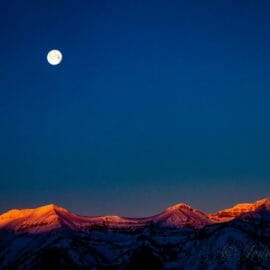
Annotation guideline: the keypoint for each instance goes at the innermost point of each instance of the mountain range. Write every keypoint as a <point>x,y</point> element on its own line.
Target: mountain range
<point>180,237</point>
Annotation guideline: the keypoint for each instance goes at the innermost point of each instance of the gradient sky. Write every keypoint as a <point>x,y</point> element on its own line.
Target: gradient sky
<point>155,103</point>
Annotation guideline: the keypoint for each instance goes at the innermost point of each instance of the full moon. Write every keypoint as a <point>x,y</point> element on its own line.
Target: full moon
<point>54,57</point>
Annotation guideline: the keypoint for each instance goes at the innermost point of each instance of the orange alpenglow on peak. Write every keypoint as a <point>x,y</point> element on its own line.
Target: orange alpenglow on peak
<point>239,210</point>
<point>17,213</point>
<point>35,219</point>
<point>182,215</point>
<point>50,208</point>
<point>179,206</point>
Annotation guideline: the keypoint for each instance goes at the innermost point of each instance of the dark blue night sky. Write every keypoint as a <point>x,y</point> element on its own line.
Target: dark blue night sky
<point>155,102</point>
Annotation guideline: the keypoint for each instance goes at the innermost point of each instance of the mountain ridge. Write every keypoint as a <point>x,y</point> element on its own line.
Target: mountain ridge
<point>51,217</point>
<point>180,237</point>
<point>240,209</point>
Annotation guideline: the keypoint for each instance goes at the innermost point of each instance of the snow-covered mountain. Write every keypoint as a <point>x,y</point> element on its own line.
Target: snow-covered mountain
<point>241,209</point>
<point>52,217</point>
<point>181,215</point>
<point>180,237</point>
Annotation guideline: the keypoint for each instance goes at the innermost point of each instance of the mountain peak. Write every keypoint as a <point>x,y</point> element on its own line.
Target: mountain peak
<point>181,215</point>
<point>179,206</point>
<point>50,208</point>
<point>239,210</point>
<point>38,219</point>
